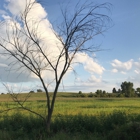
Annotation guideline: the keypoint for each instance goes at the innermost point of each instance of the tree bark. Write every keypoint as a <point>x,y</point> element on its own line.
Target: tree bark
<point>50,110</point>
<point>48,121</point>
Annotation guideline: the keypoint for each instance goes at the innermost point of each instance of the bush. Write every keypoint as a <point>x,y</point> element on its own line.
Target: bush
<point>20,127</point>
<point>39,90</point>
<point>83,95</point>
<point>80,94</point>
<point>112,95</point>
<point>121,95</point>
<point>129,131</point>
<point>90,95</point>
<point>114,126</point>
<point>31,91</point>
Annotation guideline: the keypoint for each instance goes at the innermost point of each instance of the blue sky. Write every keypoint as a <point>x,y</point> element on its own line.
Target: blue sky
<point>119,62</point>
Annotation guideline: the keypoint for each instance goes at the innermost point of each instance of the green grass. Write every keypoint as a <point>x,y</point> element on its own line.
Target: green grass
<point>78,127</point>
<point>74,118</point>
<point>67,103</point>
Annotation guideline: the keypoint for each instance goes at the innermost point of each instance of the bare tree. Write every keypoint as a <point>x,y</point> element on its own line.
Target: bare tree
<point>24,43</point>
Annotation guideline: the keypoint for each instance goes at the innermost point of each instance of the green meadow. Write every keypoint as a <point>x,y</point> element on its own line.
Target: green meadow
<point>74,117</point>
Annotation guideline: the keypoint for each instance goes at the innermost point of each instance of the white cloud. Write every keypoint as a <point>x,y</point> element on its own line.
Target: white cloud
<point>37,14</point>
<point>123,72</point>
<point>137,64</point>
<point>50,46</point>
<point>3,65</point>
<point>16,7</point>
<point>122,67</point>
<point>114,70</point>
<point>6,17</point>
<point>137,67</point>
<point>137,71</point>
<point>94,79</point>
<point>90,84</point>
<point>130,68</point>
<point>89,63</point>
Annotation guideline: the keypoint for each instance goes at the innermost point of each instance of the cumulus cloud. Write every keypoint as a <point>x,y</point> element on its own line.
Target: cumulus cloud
<point>89,63</point>
<point>137,67</point>
<point>38,24</point>
<point>51,47</point>
<point>130,68</point>
<point>90,84</point>
<point>137,71</point>
<point>16,7</point>
<point>114,70</point>
<point>122,67</point>
<point>94,79</point>
<point>137,64</point>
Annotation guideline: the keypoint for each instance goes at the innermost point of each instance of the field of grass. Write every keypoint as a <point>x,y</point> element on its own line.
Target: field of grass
<point>74,117</point>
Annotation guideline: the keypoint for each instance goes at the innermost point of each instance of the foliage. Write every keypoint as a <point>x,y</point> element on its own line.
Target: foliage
<point>116,125</point>
<point>137,92</point>
<point>121,95</point>
<point>98,92</point>
<point>31,91</point>
<point>129,131</point>
<point>101,93</point>
<point>114,90</point>
<point>138,89</point>
<point>80,92</point>
<point>127,89</point>
<point>104,92</point>
<point>90,95</point>
<point>39,90</point>
<point>119,90</point>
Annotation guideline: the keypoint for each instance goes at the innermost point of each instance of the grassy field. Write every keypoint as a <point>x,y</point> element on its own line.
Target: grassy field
<point>73,117</point>
<point>69,104</point>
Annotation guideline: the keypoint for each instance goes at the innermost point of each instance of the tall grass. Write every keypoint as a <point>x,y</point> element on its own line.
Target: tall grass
<point>104,126</point>
<point>73,118</point>
<point>74,106</point>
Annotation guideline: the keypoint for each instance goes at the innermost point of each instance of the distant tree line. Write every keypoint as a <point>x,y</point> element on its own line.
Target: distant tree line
<point>38,90</point>
<point>32,91</point>
<point>126,90</point>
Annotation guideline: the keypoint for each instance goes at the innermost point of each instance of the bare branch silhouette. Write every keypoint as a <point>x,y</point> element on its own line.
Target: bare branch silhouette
<point>23,43</point>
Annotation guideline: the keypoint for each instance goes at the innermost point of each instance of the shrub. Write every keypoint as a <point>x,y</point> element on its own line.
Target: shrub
<point>121,95</point>
<point>31,91</point>
<point>83,95</point>
<point>90,95</point>
<point>114,126</point>
<point>39,90</point>
<point>80,94</point>
<point>129,131</point>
